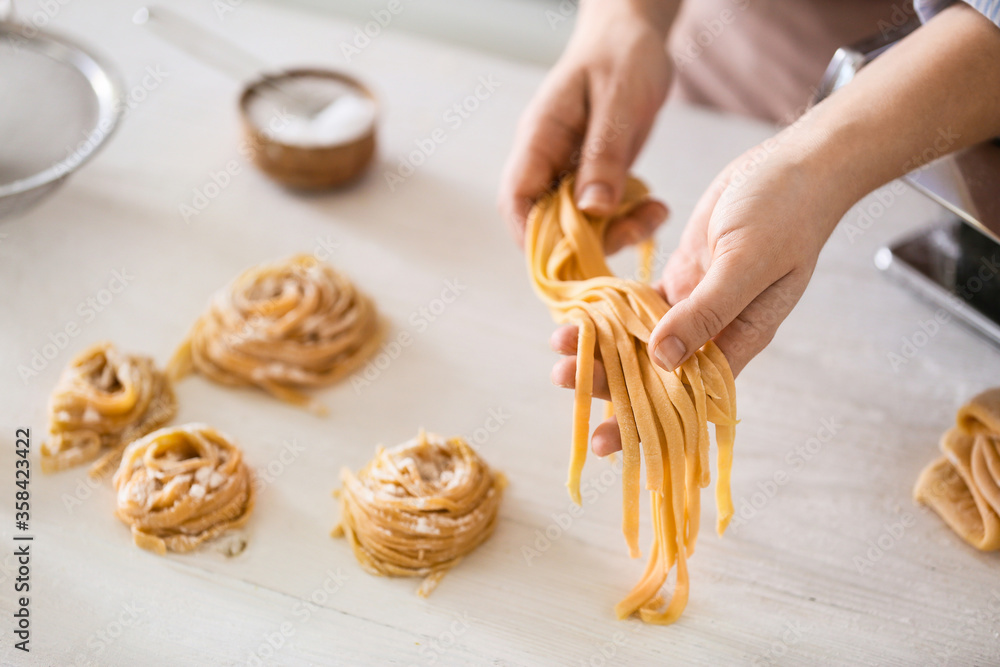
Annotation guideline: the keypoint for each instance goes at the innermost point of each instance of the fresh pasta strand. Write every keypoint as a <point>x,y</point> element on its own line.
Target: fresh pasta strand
<point>963,486</point>
<point>181,486</point>
<point>417,509</point>
<point>284,326</point>
<point>104,399</point>
<point>663,417</point>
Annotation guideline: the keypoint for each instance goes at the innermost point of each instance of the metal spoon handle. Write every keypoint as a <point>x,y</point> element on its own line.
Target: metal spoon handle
<point>221,54</point>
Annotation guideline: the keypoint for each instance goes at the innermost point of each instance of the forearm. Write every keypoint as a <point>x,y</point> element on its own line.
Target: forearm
<point>936,92</point>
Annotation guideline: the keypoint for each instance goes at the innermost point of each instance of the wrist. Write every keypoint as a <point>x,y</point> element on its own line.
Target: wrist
<point>832,152</point>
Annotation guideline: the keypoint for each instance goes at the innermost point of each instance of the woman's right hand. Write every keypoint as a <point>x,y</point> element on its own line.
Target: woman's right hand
<point>592,116</point>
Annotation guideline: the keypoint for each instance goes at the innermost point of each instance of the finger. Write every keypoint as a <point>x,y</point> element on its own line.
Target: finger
<point>543,147</point>
<point>564,375</point>
<point>754,328</point>
<point>606,154</point>
<point>639,224</point>
<point>564,340</point>
<point>607,439</point>
<point>529,172</point>
<point>688,264</point>
<point>683,272</point>
<point>733,280</point>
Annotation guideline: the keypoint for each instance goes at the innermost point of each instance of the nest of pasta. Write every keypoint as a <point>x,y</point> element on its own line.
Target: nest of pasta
<point>181,486</point>
<point>284,326</point>
<point>417,509</point>
<point>104,399</point>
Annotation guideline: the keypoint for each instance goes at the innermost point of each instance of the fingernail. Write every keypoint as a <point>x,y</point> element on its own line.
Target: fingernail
<point>595,195</point>
<point>670,352</point>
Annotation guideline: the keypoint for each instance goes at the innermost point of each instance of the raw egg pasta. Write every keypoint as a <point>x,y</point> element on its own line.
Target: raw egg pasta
<point>417,509</point>
<point>663,417</point>
<point>963,486</point>
<point>103,400</point>
<point>284,327</point>
<point>180,486</point>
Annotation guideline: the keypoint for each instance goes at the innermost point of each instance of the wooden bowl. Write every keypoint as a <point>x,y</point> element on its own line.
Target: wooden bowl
<point>307,167</point>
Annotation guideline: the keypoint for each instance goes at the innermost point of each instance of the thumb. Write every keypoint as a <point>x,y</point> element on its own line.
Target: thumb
<point>728,287</point>
<point>605,156</point>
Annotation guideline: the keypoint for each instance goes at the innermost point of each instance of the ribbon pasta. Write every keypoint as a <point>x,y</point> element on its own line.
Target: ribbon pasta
<point>417,509</point>
<point>180,486</point>
<point>663,417</point>
<point>283,326</point>
<point>104,399</point>
<point>963,486</point>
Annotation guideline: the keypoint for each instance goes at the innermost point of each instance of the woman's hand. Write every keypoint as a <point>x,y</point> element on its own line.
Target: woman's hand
<point>743,261</point>
<point>754,237</point>
<point>592,115</point>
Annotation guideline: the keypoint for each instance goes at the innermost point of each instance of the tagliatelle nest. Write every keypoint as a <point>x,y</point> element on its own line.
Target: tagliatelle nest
<point>180,486</point>
<point>104,399</point>
<point>963,486</point>
<point>417,509</point>
<point>284,327</point>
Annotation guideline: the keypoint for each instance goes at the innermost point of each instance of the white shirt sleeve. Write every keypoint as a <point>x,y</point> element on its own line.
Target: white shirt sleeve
<point>988,8</point>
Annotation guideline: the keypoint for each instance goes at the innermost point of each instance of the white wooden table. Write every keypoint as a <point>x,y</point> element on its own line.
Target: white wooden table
<point>797,583</point>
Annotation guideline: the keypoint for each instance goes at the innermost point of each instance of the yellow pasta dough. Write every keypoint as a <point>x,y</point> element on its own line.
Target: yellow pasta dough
<point>183,485</point>
<point>103,400</point>
<point>663,417</point>
<point>284,326</point>
<point>417,509</point>
<point>964,485</point>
